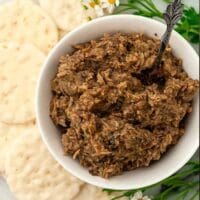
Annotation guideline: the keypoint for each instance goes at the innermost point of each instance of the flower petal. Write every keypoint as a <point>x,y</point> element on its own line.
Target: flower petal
<point>138,195</point>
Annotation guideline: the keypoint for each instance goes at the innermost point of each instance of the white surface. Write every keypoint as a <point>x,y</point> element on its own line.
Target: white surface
<point>173,159</point>
<point>5,194</point>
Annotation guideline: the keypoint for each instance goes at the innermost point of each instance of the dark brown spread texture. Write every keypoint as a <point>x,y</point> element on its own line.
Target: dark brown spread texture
<point>110,118</point>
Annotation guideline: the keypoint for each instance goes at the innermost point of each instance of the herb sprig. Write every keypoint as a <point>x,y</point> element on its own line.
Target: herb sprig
<point>180,184</point>
<point>188,27</point>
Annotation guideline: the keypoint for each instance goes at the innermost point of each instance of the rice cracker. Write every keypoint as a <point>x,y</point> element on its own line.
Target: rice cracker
<point>33,174</point>
<point>8,134</point>
<point>89,192</point>
<point>67,14</point>
<point>19,66</point>
<point>26,22</point>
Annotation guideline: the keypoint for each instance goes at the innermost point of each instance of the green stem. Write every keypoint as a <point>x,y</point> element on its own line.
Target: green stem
<point>118,197</point>
<point>195,195</point>
<point>165,193</point>
<point>180,175</point>
<point>152,11</point>
<point>122,10</point>
<point>130,6</point>
<point>150,2</point>
<point>148,8</point>
<point>182,195</point>
<point>194,31</point>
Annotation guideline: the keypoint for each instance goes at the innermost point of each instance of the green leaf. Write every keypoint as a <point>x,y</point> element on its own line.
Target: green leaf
<point>188,26</point>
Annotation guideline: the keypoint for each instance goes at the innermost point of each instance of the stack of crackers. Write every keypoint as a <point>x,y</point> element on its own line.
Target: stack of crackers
<point>28,31</point>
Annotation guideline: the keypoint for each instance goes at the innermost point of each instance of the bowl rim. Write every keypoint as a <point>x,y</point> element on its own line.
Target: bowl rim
<point>37,100</point>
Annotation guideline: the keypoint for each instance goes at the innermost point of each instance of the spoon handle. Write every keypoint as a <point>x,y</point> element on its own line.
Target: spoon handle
<point>172,15</point>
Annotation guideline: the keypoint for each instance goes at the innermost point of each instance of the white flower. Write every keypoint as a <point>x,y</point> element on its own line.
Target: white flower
<point>94,4</point>
<point>101,7</point>
<point>88,3</point>
<point>99,10</point>
<point>110,4</point>
<point>139,196</point>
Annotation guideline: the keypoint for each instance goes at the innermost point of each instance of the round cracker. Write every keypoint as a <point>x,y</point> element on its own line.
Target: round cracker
<point>66,14</point>
<point>89,192</point>
<point>8,134</point>
<point>19,67</point>
<point>25,22</point>
<point>33,174</point>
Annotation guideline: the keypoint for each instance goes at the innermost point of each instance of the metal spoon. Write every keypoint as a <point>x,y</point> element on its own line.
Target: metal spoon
<point>153,74</point>
<point>172,15</point>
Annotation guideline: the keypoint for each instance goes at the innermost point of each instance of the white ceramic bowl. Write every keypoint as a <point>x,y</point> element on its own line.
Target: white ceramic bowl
<point>174,159</point>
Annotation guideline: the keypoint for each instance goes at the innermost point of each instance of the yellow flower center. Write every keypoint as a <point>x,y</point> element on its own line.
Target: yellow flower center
<point>112,1</point>
<point>92,4</point>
